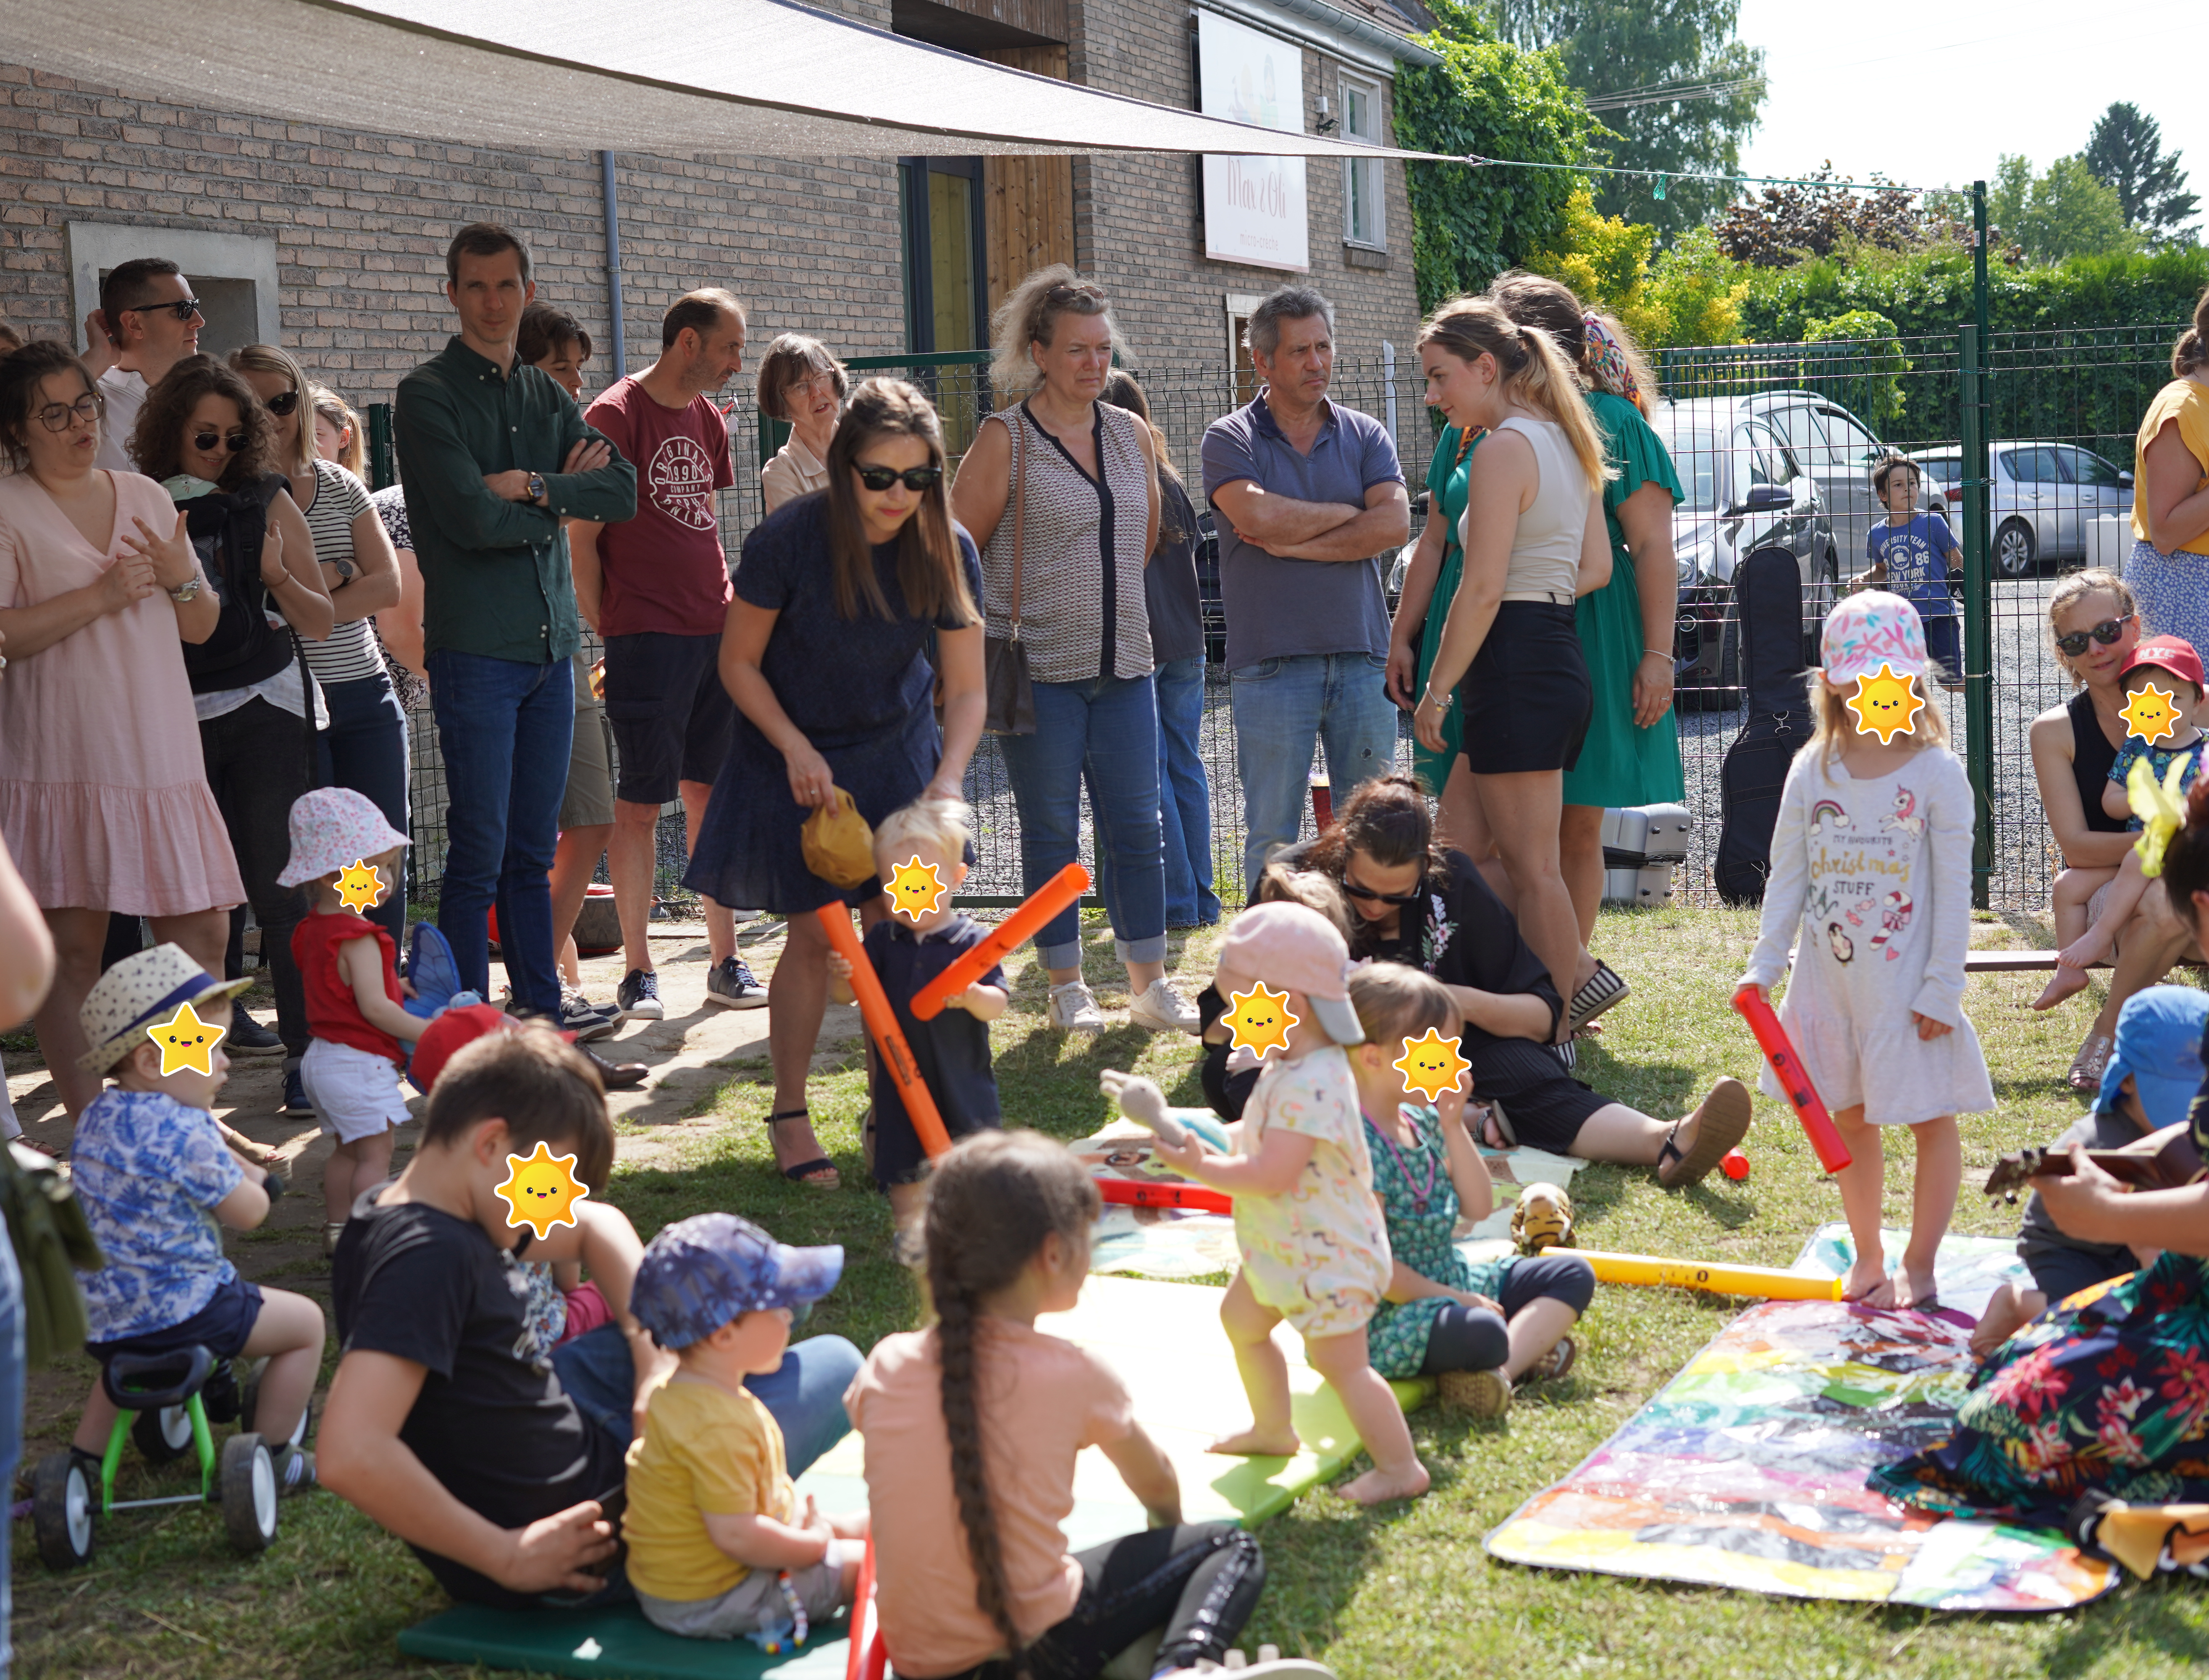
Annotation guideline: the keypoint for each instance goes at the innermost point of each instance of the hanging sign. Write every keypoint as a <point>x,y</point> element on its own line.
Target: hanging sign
<point>1253,208</point>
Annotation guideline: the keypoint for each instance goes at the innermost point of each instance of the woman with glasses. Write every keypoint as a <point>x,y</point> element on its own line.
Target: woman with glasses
<point>824,652</point>
<point>800,382</point>
<point>103,800</point>
<point>1415,901</point>
<point>205,434</point>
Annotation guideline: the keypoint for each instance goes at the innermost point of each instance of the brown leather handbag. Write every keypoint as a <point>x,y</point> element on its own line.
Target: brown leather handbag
<point>1005,682</point>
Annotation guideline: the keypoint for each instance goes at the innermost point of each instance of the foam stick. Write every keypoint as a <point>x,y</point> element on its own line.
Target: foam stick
<point>1196,1198</point>
<point>1045,902</point>
<point>882,1029</point>
<point>1794,1079</point>
<point>1768,1281</point>
<point>866,1656</point>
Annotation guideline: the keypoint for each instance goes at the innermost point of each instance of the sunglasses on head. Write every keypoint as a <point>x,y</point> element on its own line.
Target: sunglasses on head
<point>208,441</point>
<point>2107,632</point>
<point>879,479</point>
<point>1353,890</point>
<point>283,403</point>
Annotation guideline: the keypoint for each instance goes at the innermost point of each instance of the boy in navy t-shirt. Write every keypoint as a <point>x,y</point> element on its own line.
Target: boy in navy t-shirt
<point>1911,553</point>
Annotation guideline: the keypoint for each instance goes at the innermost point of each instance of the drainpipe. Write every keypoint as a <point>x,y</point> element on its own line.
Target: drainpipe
<point>613,262</point>
<point>1388,386</point>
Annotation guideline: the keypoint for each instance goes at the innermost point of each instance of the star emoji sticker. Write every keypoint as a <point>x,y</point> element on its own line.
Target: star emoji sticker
<point>1885,705</point>
<point>541,1191</point>
<point>187,1042</point>
<point>1261,1020</point>
<point>2151,714</point>
<point>915,888</point>
<point>1430,1064</point>
<point>360,885</point>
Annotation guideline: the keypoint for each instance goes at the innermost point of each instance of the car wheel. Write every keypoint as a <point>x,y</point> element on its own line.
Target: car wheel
<point>1722,693</point>
<point>2014,549</point>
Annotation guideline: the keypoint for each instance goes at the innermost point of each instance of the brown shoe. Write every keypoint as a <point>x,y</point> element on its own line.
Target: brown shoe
<point>1481,1394</point>
<point>616,1075</point>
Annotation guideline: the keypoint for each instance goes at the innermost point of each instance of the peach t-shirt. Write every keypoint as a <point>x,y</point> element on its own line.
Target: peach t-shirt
<point>1041,1401</point>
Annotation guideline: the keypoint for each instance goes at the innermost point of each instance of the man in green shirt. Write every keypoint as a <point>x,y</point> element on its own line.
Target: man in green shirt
<point>494,455</point>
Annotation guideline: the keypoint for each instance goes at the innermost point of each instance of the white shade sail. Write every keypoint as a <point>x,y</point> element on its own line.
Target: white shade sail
<point>672,77</point>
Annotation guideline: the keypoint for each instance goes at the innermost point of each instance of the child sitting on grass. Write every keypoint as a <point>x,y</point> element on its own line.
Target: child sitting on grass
<point>920,851</point>
<point>159,1185</point>
<point>719,1544</point>
<point>348,969</point>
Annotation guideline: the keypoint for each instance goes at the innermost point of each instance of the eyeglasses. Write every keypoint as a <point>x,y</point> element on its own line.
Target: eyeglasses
<point>879,479</point>
<point>1399,900</point>
<point>183,309</point>
<point>208,441</point>
<point>283,403</point>
<point>2106,633</point>
<point>61,416</point>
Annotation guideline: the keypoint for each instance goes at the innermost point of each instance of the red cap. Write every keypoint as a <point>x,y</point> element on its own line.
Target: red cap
<point>2173,654</point>
<point>454,1030</point>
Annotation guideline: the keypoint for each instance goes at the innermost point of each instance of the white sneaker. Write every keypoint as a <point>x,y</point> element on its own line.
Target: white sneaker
<point>1163,1009</point>
<point>1074,1008</point>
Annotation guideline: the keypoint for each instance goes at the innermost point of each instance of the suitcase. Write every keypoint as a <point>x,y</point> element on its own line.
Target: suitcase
<point>1648,888</point>
<point>1768,598</point>
<point>1643,834</point>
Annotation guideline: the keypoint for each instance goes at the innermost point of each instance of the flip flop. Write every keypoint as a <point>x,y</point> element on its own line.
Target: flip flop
<point>820,1172</point>
<point>1726,1113</point>
<point>2087,1067</point>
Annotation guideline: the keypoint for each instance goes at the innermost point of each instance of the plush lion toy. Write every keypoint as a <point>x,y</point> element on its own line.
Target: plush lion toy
<point>1542,1220</point>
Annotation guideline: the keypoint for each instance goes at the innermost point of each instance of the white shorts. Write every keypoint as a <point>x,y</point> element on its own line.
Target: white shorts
<point>356,1093</point>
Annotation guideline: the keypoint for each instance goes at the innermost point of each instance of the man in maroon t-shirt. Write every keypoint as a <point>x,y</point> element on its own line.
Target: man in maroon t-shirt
<point>656,588</point>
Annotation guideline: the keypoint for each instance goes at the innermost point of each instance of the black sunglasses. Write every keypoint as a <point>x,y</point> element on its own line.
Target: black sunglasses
<point>1399,900</point>
<point>283,403</point>
<point>2106,633</point>
<point>206,442</point>
<point>879,479</point>
<point>183,309</point>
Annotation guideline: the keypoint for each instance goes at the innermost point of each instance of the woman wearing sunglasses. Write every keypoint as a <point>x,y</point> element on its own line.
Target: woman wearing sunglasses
<point>1418,902</point>
<point>204,433</point>
<point>825,651</point>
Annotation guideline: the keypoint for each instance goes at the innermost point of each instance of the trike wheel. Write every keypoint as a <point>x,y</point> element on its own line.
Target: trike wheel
<point>162,1436</point>
<point>248,1485</point>
<point>64,1499</point>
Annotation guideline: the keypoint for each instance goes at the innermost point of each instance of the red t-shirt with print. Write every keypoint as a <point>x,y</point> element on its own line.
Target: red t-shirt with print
<point>665,569</point>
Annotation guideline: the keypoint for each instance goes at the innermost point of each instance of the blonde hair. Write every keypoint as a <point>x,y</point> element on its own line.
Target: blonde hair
<point>330,407</point>
<point>1550,304</point>
<point>1537,373</point>
<point>940,824</point>
<point>1833,723</point>
<point>1395,1001</point>
<point>1279,884</point>
<point>1030,315</point>
<point>2075,587</point>
<point>268,359</point>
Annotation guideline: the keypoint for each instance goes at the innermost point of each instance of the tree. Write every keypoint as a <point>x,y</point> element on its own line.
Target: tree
<point>1689,294</point>
<point>2125,152</point>
<point>1627,57</point>
<point>2065,212</point>
<point>1774,228</point>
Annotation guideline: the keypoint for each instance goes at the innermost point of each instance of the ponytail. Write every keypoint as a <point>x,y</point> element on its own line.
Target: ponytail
<point>1537,374</point>
<point>2191,350</point>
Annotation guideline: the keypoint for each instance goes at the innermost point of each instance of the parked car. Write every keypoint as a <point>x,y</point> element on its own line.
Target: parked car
<point>2043,500</point>
<point>1744,490</point>
<point>1836,448</point>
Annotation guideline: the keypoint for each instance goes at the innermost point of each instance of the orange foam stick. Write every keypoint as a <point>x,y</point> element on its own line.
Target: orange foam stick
<point>1045,902</point>
<point>882,1027</point>
<point>1794,1079</point>
<point>1194,1198</point>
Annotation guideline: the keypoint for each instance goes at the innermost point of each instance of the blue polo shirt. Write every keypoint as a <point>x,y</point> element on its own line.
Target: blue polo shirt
<point>1280,609</point>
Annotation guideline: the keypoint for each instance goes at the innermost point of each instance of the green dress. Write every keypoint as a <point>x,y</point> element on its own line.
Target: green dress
<point>1445,480</point>
<point>1620,764</point>
<point>1396,1337</point>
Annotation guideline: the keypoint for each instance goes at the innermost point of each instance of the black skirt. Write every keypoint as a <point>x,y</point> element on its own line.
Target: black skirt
<point>1526,702</point>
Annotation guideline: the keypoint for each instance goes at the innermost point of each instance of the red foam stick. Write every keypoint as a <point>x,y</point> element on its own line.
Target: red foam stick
<point>1194,1198</point>
<point>882,1027</point>
<point>867,1656</point>
<point>1794,1079</point>
<point>1045,902</point>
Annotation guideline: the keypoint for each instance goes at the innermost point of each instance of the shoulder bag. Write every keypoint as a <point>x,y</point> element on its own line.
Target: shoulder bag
<point>1004,662</point>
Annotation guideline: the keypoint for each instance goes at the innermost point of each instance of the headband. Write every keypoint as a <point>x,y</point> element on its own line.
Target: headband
<point>1607,359</point>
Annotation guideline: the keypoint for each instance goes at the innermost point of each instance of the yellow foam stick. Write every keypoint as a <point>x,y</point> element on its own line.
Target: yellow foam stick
<point>1768,1281</point>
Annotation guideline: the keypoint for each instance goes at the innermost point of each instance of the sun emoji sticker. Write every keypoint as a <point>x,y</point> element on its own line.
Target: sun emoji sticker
<point>541,1191</point>
<point>915,889</point>
<point>2150,714</point>
<point>360,885</point>
<point>1430,1065</point>
<point>1261,1020</point>
<point>187,1042</point>
<point>1885,705</point>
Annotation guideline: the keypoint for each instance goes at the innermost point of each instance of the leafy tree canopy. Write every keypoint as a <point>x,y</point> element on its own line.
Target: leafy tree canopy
<point>1689,294</point>
<point>2125,152</point>
<point>1775,227</point>
<point>2065,212</point>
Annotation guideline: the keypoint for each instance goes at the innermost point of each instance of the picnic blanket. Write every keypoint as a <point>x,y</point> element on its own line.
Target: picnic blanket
<point>1748,1469</point>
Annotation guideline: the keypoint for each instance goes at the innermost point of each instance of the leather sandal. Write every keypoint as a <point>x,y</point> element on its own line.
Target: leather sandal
<point>2092,1059</point>
<point>820,1172</point>
<point>1726,1113</point>
<point>1554,1364</point>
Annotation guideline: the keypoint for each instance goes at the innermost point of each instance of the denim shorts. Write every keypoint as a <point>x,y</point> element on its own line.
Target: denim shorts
<point>222,1326</point>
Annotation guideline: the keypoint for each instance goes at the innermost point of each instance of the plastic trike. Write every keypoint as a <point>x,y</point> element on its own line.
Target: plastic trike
<point>165,1402</point>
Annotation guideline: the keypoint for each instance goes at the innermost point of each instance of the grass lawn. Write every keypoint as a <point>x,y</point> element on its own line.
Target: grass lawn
<point>1404,1591</point>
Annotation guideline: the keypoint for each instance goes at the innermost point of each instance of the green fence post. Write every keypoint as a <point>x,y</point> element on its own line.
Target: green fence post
<point>1978,628</point>
<point>383,471</point>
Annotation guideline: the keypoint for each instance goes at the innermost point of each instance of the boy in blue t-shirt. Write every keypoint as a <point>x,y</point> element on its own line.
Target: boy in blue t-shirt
<point>1911,553</point>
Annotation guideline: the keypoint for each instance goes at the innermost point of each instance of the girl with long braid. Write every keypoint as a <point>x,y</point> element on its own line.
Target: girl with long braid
<point>971,1430</point>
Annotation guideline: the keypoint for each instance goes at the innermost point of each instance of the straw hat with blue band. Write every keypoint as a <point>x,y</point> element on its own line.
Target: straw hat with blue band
<point>142,989</point>
<point>2159,1043</point>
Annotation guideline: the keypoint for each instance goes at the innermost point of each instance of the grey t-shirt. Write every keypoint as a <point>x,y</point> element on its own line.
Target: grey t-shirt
<point>2038,1234</point>
<point>1277,608</point>
<point>1169,580</point>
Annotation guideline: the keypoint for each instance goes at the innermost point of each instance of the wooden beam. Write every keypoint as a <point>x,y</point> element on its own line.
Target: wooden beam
<point>2031,962</point>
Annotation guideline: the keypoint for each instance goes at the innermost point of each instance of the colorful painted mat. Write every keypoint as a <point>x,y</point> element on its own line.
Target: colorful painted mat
<point>1747,1471</point>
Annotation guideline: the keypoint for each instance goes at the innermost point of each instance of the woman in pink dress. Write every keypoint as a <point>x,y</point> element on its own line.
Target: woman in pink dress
<point>104,798</point>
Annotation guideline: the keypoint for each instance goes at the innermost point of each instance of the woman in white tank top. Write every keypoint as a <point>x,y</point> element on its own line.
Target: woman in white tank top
<point>1534,541</point>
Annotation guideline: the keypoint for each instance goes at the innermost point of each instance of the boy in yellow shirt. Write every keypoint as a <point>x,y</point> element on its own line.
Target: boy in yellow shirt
<point>719,1545</point>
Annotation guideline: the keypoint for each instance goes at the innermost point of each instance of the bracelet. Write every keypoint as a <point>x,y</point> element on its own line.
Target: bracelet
<point>1657,653</point>
<point>1430,698</point>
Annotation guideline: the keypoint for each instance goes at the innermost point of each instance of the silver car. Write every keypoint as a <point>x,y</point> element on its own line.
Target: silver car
<point>2043,501</point>
<point>1837,449</point>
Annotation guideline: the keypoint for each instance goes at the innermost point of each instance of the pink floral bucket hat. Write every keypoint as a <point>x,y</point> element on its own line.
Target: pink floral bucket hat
<point>333,827</point>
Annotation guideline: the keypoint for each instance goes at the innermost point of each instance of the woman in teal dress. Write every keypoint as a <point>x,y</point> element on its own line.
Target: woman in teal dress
<point>1437,563</point>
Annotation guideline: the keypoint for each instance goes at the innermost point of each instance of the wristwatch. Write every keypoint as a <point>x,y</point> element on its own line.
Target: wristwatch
<point>345,572</point>
<point>537,486</point>
<point>188,591</point>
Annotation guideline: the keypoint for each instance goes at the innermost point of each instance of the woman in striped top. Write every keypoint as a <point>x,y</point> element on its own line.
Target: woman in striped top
<point>365,747</point>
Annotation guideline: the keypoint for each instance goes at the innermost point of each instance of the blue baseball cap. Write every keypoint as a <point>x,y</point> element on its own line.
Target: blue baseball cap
<point>2159,1044</point>
<point>700,1273</point>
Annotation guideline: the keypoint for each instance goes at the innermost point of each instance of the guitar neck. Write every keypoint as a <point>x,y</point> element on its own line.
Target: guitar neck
<point>2173,1163</point>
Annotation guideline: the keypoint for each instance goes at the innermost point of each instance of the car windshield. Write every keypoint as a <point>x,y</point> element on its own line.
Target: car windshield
<point>1942,469</point>
<point>1694,449</point>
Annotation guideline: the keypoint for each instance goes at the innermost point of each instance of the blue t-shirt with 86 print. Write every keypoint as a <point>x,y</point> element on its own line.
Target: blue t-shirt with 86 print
<point>1917,553</point>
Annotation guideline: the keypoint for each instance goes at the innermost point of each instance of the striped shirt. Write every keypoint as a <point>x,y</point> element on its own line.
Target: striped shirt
<point>340,499</point>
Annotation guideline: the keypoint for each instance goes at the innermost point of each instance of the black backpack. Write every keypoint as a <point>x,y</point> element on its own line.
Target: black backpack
<point>227,528</point>
<point>1768,599</point>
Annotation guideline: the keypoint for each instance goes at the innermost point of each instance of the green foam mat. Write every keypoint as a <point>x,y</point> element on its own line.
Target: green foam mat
<point>616,1644</point>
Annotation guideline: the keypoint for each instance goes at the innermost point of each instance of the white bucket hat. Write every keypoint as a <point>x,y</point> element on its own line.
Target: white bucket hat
<point>142,989</point>
<point>332,828</point>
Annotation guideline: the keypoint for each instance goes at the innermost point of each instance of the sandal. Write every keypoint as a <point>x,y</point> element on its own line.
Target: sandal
<point>1726,1113</point>
<point>1552,1366</point>
<point>2087,1067</point>
<point>1598,992</point>
<point>820,1172</point>
<point>1500,1128</point>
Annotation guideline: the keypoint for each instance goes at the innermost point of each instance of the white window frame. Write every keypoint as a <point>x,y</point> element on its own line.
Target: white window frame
<point>96,247</point>
<point>1375,170</point>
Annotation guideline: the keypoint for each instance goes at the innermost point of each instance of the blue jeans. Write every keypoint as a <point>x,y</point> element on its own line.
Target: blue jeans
<point>505,729</point>
<point>1282,707</point>
<point>804,1395</point>
<point>11,1414</point>
<point>1184,801</point>
<point>364,749</point>
<point>1105,729</point>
